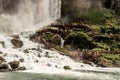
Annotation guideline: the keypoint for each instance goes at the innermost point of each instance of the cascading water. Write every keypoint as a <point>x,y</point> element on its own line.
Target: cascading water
<point>25,15</point>
<point>55,13</point>
<point>21,15</point>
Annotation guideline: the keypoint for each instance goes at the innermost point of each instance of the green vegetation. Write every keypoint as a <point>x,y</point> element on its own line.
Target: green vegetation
<point>112,57</point>
<point>96,16</point>
<point>95,31</point>
<point>80,40</point>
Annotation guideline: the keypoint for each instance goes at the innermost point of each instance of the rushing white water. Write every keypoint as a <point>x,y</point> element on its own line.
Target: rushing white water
<point>55,9</point>
<point>62,43</point>
<point>40,60</point>
<point>37,58</point>
<point>21,15</point>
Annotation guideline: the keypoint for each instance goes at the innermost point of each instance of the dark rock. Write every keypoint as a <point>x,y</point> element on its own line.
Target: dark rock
<point>1,59</point>
<point>82,65</point>
<point>26,51</point>
<point>33,49</point>
<point>4,67</point>
<point>15,36</point>
<point>56,66</point>
<point>21,68</point>
<point>21,60</point>
<point>1,52</point>
<point>36,61</point>
<point>17,43</point>
<point>5,70</point>
<point>47,54</point>
<point>87,62</point>
<point>67,67</point>
<point>39,55</point>
<point>48,64</point>
<point>2,43</point>
<point>5,55</point>
<point>14,64</point>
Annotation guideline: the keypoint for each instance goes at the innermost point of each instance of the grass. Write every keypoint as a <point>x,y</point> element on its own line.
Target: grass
<point>113,57</point>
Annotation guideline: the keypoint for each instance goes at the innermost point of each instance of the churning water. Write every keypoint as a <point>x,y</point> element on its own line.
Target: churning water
<point>80,76</point>
<point>20,15</point>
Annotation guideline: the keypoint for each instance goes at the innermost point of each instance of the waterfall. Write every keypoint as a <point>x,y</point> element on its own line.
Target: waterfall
<point>55,9</point>
<point>62,42</point>
<point>21,15</point>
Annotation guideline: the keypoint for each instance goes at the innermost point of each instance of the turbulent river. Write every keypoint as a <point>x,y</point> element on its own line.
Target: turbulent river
<point>85,75</point>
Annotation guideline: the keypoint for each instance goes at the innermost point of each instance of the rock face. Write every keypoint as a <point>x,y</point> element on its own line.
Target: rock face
<point>17,43</point>
<point>14,64</point>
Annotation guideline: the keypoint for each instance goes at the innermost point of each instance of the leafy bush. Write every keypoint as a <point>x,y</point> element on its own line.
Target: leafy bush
<point>115,45</point>
<point>79,40</point>
<point>110,29</point>
<point>112,57</point>
<point>96,16</point>
<point>102,38</point>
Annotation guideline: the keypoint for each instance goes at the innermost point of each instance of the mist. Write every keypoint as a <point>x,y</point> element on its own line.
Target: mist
<point>21,15</point>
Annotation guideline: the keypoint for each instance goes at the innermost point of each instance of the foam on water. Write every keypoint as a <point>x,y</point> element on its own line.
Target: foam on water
<point>32,59</point>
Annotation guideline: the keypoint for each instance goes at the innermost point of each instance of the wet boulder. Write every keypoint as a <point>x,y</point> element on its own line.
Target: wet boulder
<point>4,67</point>
<point>2,43</point>
<point>1,52</point>
<point>22,60</point>
<point>49,65</point>
<point>22,68</point>
<point>67,67</point>
<point>14,64</point>
<point>17,43</point>
<point>1,59</point>
<point>15,36</point>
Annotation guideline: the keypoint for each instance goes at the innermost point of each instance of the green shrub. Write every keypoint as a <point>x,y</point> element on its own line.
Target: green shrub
<point>47,37</point>
<point>112,57</point>
<point>96,16</point>
<point>102,46</point>
<point>115,45</point>
<point>79,40</point>
<point>102,38</point>
<point>114,29</point>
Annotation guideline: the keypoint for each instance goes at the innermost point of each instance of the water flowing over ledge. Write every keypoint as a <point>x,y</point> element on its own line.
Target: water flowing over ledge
<point>23,15</point>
